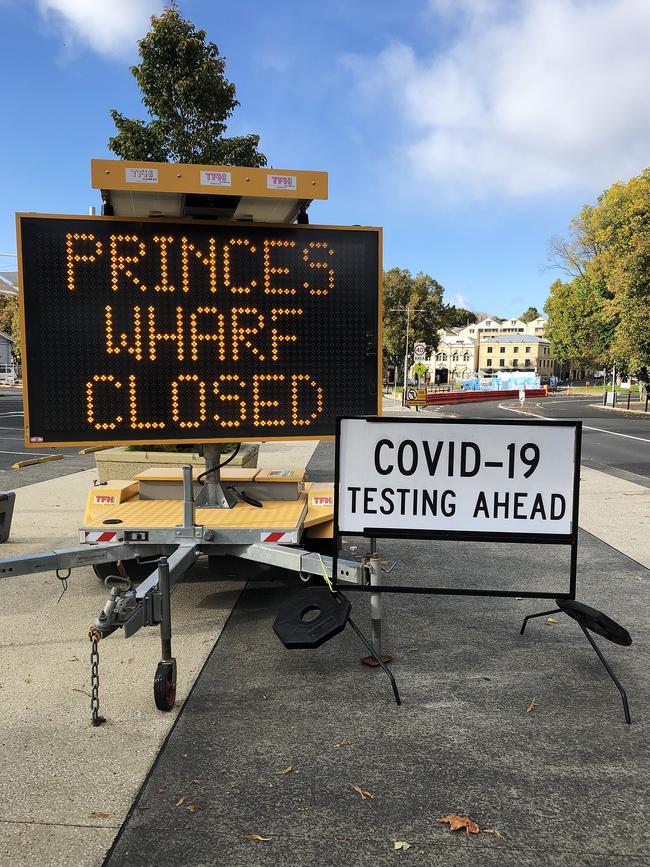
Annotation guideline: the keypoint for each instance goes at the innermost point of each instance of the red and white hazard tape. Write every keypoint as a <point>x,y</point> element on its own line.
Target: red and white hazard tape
<point>99,535</point>
<point>279,537</point>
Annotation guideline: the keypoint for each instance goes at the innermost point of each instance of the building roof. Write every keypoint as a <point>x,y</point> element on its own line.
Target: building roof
<point>9,282</point>
<point>513,338</point>
<point>6,337</point>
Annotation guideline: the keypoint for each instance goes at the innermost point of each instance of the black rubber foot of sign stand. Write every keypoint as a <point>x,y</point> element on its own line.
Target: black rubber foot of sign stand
<point>591,619</point>
<point>372,661</point>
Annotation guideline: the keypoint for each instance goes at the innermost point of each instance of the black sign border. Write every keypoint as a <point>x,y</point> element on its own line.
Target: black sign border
<point>570,539</point>
<point>143,440</point>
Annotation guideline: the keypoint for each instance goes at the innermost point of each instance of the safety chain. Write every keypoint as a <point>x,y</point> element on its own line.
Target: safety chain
<point>94,635</point>
<point>64,582</point>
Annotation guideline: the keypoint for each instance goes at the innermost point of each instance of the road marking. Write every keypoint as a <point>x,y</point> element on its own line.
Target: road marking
<point>2,452</point>
<point>616,434</point>
<point>584,426</point>
<point>523,412</point>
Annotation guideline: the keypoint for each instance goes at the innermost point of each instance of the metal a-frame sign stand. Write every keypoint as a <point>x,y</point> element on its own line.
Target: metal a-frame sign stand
<point>386,470</point>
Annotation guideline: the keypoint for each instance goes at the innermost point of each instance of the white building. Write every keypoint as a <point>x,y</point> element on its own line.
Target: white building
<point>477,329</point>
<point>455,358</point>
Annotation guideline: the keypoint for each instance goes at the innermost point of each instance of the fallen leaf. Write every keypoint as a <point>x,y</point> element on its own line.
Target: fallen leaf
<point>285,771</point>
<point>196,780</point>
<point>180,802</point>
<point>160,791</point>
<point>496,833</point>
<point>244,647</point>
<point>192,808</point>
<point>402,845</point>
<point>257,837</point>
<point>74,659</point>
<point>343,742</point>
<point>531,707</point>
<point>552,620</point>
<point>99,814</point>
<point>364,794</point>
<point>411,649</point>
<point>457,822</point>
<point>266,696</point>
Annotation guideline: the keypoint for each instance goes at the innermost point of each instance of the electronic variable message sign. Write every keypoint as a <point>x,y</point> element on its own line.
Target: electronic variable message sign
<point>155,330</point>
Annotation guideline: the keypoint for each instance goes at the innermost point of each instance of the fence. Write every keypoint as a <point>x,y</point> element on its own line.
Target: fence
<point>476,396</point>
<point>611,398</point>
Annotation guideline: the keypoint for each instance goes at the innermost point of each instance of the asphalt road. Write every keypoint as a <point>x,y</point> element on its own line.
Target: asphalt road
<point>612,441</point>
<point>13,449</point>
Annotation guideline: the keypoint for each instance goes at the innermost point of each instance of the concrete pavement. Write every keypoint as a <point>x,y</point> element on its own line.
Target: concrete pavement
<point>67,787</point>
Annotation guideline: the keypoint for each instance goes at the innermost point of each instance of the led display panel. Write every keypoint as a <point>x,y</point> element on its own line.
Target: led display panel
<point>138,331</point>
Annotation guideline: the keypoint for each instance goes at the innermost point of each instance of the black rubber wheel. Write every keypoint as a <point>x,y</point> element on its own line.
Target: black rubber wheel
<point>134,570</point>
<point>164,686</point>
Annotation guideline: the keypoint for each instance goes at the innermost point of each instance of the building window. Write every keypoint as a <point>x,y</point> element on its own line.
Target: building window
<point>502,349</point>
<point>515,362</point>
<point>528,362</point>
<point>502,362</point>
<point>489,350</point>
<point>466,356</point>
<point>454,357</point>
<point>516,349</point>
<point>528,349</point>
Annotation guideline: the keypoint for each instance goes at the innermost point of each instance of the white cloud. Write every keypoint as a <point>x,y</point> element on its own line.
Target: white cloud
<point>109,27</point>
<point>459,300</point>
<point>529,96</point>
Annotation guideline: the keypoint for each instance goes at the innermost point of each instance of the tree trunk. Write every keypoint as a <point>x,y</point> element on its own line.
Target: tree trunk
<point>643,384</point>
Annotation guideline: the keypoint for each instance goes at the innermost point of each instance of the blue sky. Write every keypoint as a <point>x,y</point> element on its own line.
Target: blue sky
<point>471,130</point>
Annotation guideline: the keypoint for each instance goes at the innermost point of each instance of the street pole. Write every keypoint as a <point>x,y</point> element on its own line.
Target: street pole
<point>406,352</point>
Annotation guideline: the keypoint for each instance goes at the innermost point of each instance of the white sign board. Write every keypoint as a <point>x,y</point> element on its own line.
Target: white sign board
<point>419,351</point>
<point>215,179</point>
<point>141,176</point>
<point>432,476</point>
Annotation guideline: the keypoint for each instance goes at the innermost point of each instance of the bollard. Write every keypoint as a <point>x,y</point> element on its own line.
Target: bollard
<point>7,500</point>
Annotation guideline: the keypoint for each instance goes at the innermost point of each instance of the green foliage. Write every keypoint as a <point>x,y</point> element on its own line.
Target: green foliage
<point>608,257</point>
<point>458,317</point>
<point>575,326</point>
<point>423,296</point>
<point>10,322</point>
<point>185,91</point>
<point>530,314</point>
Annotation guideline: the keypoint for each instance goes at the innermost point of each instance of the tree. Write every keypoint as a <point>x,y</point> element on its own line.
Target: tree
<point>458,317</point>
<point>10,321</point>
<point>423,296</point>
<point>575,326</point>
<point>530,314</point>
<point>184,89</point>
<point>608,257</point>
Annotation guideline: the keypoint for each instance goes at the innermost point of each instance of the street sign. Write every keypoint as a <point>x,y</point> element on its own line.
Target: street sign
<point>419,369</point>
<point>419,351</point>
<point>416,397</point>
<point>144,330</point>
<point>440,478</point>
